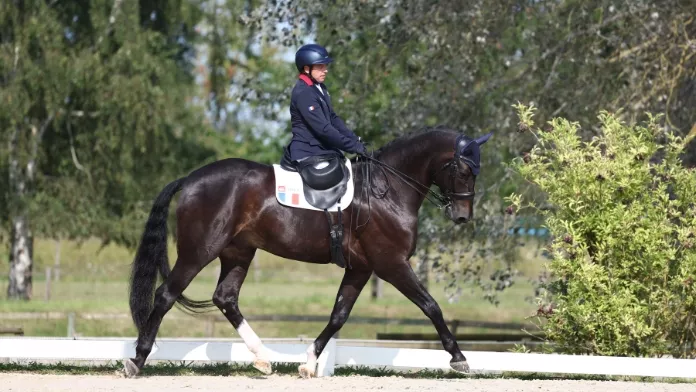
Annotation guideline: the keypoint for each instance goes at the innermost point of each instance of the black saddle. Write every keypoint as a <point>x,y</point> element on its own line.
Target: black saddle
<point>322,187</point>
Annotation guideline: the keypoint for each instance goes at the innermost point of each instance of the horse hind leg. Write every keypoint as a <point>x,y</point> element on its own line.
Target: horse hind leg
<point>165,296</point>
<point>235,261</point>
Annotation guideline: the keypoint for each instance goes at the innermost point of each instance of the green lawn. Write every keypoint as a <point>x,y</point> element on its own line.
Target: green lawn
<point>314,298</point>
<point>95,280</point>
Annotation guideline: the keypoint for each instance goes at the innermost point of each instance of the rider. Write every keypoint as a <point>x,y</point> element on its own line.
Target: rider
<point>316,129</point>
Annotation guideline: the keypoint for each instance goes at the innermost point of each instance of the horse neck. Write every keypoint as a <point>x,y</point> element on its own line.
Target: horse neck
<point>417,158</point>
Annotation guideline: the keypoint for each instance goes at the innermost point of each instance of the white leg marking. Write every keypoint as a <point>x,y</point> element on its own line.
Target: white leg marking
<point>308,369</point>
<point>311,357</point>
<point>252,341</point>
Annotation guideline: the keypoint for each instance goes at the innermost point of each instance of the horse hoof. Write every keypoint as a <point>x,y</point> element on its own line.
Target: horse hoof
<point>263,366</point>
<point>129,369</point>
<point>461,367</point>
<point>306,371</point>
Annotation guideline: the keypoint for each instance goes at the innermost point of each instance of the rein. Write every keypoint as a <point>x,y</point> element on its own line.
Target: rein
<point>440,200</point>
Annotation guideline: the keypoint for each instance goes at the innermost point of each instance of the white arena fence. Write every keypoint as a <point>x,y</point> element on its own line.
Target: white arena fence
<point>340,352</point>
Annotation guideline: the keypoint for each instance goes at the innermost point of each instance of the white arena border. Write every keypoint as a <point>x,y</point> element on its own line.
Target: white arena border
<point>341,352</point>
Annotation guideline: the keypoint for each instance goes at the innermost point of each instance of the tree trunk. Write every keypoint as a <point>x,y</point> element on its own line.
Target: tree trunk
<point>20,184</point>
<point>21,244</point>
<point>21,260</point>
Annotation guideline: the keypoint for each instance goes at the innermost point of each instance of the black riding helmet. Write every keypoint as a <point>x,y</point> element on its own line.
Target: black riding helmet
<point>311,54</point>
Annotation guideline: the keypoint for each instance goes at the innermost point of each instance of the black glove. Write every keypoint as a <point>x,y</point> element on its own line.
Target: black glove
<point>360,149</point>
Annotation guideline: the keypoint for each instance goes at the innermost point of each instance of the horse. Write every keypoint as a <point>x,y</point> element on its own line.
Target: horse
<point>227,210</point>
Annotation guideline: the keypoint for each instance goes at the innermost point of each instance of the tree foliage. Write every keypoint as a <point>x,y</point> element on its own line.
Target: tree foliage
<point>624,237</point>
<point>95,116</point>
<point>402,65</point>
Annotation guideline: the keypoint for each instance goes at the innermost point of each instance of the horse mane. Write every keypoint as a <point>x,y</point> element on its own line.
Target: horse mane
<point>411,135</point>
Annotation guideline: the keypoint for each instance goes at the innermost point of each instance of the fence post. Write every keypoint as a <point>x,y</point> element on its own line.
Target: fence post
<point>48,284</point>
<point>256,269</point>
<point>377,285</point>
<point>327,360</point>
<point>56,262</point>
<point>455,325</point>
<point>71,325</point>
<point>210,327</point>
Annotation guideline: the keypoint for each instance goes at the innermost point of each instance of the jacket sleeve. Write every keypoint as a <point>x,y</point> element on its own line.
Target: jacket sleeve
<point>341,126</point>
<point>321,126</point>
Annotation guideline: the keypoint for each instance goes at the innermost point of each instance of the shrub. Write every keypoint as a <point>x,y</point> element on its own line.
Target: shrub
<point>623,222</point>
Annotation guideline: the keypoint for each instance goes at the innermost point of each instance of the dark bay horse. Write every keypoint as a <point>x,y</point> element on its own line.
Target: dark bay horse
<point>228,210</point>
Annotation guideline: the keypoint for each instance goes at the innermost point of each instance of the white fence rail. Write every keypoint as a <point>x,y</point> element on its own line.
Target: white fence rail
<point>342,352</point>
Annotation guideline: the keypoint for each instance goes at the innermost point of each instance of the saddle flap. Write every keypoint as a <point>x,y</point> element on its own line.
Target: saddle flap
<point>321,193</point>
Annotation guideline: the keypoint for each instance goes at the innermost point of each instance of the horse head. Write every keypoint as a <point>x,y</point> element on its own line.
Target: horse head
<point>445,158</point>
<point>456,177</point>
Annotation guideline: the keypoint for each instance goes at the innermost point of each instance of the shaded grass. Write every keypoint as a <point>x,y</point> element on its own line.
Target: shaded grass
<point>180,368</point>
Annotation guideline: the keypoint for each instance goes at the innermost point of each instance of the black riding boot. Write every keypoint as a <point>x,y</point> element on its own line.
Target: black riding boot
<point>336,233</point>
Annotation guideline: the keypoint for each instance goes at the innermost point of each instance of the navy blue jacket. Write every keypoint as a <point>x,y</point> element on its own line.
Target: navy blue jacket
<point>316,129</point>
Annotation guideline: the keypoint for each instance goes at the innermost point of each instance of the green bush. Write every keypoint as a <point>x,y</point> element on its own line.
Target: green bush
<point>621,211</point>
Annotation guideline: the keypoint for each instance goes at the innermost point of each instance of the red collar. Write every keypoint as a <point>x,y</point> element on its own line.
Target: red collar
<point>306,79</point>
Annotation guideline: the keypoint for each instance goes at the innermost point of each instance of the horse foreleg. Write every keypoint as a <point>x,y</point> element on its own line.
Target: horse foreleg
<point>404,279</point>
<point>352,284</point>
<point>235,263</point>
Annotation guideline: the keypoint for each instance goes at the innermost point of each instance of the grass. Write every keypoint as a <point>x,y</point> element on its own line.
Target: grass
<point>256,298</point>
<point>246,370</point>
<point>94,279</point>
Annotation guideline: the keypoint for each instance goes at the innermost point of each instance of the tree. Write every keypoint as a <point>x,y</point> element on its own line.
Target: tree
<point>408,64</point>
<point>95,116</point>
<point>243,83</point>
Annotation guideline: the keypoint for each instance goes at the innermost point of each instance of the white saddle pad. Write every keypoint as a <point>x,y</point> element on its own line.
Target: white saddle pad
<point>289,192</point>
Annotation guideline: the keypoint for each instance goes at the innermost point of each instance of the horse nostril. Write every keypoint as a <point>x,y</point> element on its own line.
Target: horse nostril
<point>462,220</point>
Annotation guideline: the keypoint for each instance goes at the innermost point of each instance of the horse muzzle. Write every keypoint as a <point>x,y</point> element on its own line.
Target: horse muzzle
<point>456,218</point>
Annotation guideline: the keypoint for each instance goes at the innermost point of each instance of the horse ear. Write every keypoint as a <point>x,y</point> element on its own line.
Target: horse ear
<point>484,138</point>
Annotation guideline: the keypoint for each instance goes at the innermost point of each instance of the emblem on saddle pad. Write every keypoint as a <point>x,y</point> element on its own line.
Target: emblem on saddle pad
<point>294,195</point>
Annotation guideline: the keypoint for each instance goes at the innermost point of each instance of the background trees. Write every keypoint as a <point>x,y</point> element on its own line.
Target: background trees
<point>106,101</point>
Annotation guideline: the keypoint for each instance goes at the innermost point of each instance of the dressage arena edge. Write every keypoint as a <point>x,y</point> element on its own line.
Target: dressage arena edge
<point>28,382</point>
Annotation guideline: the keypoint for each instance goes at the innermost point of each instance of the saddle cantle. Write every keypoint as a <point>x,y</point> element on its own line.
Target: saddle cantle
<point>320,173</point>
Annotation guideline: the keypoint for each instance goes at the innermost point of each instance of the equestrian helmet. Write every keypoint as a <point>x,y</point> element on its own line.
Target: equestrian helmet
<point>311,54</point>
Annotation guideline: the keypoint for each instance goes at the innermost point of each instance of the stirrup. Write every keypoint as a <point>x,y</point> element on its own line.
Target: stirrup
<point>336,233</point>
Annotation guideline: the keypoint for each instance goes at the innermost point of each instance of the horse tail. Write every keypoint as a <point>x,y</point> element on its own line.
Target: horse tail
<point>151,257</point>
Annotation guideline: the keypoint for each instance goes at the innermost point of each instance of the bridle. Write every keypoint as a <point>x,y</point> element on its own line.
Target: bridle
<point>460,146</point>
<point>447,197</point>
<point>441,200</point>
